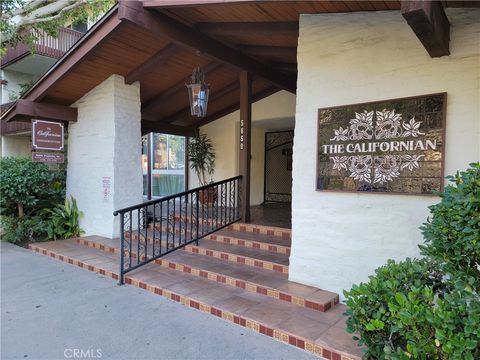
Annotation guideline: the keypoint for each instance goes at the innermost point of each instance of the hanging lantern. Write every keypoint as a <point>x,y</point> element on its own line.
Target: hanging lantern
<point>198,91</point>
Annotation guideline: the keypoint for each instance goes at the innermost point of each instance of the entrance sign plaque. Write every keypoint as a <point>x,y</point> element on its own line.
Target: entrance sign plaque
<point>49,158</point>
<point>392,146</point>
<point>47,135</point>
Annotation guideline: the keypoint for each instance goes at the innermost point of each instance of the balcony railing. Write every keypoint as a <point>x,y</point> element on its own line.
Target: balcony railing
<point>45,45</point>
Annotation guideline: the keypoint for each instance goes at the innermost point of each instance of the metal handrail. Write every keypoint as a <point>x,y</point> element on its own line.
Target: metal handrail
<point>158,227</point>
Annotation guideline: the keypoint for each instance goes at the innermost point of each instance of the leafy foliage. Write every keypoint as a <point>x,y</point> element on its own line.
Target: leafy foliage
<point>27,187</point>
<point>452,235</point>
<point>22,21</point>
<point>427,308</point>
<point>17,230</point>
<point>201,155</point>
<point>64,220</point>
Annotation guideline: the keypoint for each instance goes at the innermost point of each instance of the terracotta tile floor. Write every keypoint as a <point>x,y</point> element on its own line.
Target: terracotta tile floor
<point>326,329</point>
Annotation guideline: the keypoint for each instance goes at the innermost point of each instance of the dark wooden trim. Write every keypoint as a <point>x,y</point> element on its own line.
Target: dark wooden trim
<point>161,127</point>
<point>430,23</point>
<point>186,36</point>
<point>187,3</point>
<point>248,28</point>
<point>53,112</point>
<point>15,127</point>
<point>246,141</point>
<point>154,61</point>
<point>282,66</point>
<point>149,166</point>
<point>187,167</point>
<point>228,110</point>
<point>270,51</point>
<point>153,102</point>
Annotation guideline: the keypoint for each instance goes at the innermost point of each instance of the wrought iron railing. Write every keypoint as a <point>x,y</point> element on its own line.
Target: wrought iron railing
<point>155,228</point>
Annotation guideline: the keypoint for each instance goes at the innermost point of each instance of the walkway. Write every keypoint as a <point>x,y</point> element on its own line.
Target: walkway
<point>50,308</point>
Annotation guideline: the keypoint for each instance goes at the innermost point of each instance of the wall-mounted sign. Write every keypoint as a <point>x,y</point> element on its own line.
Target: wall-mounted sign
<point>106,187</point>
<point>393,146</point>
<point>47,135</point>
<point>50,158</point>
<point>242,130</point>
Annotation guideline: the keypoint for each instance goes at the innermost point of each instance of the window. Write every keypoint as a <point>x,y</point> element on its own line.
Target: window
<point>168,164</point>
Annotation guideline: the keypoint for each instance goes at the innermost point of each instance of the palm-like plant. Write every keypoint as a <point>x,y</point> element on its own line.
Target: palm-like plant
<point>201,156</point>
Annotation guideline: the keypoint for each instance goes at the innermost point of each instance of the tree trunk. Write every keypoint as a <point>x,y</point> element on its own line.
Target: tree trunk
<point>20,210</point>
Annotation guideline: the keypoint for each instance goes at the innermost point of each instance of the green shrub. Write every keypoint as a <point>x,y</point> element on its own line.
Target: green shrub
<point>452,235</point>
<point>26,190</point>
<point>428,308</point>
<point>17,230</point>
<point>64,219</point>
<point>27,187</point>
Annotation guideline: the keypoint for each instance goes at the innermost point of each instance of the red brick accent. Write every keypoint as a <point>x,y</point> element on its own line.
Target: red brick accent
<point>292,340</point>
<point>327,354</point>
<point>158,291</point>
<point>336,356</point>
<point>285,297</point>
<point>240,284</point>
<point>203,274</point>
<point>142,285</point>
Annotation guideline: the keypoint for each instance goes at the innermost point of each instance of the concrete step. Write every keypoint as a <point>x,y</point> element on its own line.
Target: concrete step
<point>322,334</point>
<point>261,281</point>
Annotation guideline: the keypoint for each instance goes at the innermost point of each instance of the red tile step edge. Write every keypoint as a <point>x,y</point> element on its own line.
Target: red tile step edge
<point>228,280</point>
<point>280,335</point>
<point>254,228</point>
<point>275,248</point>
<point>222,255</point>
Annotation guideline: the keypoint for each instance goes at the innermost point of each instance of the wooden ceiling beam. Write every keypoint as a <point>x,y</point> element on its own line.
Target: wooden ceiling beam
<point>152,103</point>
<point>430,23</point>
<point>185,112</point>
<point>151,63</point>
<point>228,110</point>
<point>248,28</point>
<point>276,52</point>
<point>186,36</point>
<point>282,66</point>
<point>44,111</point>
<point>161,127</point>
<point>188,3</point>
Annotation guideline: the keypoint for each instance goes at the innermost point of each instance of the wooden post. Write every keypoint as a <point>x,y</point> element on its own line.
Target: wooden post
<point>149,165</point>
<point>245,141</point>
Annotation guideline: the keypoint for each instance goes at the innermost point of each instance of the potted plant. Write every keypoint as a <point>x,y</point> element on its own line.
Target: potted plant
<point>201,156</point>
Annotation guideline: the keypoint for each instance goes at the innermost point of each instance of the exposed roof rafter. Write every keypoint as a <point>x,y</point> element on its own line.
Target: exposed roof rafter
<point>249,28</point>
<point>151,63</point>
<point>188,37</point>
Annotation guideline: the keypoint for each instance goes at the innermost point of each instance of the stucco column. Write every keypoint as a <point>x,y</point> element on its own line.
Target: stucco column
<point>104,154</point>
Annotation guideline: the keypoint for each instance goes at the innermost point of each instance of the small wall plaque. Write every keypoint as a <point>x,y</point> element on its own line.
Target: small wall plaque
<point>390,146</point>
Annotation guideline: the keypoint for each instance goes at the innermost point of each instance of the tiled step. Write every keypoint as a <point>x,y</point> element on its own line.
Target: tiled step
<point>260,281</point>
<point>322,334</point>
<point>229,252</point>
<point>272,243</point>
<point>244,227</point>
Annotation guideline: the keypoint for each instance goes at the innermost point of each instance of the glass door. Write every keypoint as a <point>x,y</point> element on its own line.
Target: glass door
<point>167,164</point>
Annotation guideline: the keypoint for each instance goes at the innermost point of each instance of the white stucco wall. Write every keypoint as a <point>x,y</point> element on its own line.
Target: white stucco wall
<point>15,145</point>
<point>224,134</point>
<point>14,79</point>
<point>105,144</point>
<point>339,239</point>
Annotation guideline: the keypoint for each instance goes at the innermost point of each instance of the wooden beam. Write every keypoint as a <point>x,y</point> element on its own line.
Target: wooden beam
<point>430,23</point>
<point>228,110</point>
<point>185,112</point>
<point>271,52</point>
<point>291,67</point>
<point>245,142</point>
<point>154,61</point>
<point>45,111</point>
<point>248,28</point>
<point>186,36</point>
<point>160,127</point>
<point>155,101</point>
<point>187,3</point>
